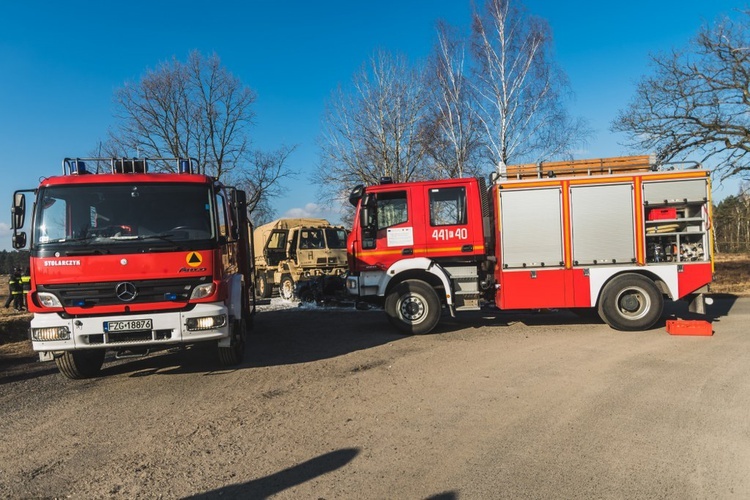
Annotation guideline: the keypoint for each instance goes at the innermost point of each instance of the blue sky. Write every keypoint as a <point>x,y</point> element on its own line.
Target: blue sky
<point>61,62</point>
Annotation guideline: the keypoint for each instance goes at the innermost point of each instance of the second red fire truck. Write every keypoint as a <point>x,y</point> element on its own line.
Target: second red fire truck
<point>129,261</point>
<point>618,235</point>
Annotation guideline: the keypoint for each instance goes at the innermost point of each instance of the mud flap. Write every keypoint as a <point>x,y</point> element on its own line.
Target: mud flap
<point>698,304</point>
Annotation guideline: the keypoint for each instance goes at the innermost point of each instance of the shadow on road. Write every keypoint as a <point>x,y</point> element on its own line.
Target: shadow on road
<point>285,479</point>
<point>279,337</point>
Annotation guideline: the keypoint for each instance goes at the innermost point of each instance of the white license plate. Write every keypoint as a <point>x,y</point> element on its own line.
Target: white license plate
<point>128,325</point>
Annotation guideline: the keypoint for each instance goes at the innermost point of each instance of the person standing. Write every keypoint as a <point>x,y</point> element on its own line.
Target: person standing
<point>11,287</point>
<point>16,290</point>
<point>26,287</point>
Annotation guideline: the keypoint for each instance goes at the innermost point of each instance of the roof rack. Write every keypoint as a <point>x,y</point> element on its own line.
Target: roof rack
<point>575,168</point>
<point>81,166</point>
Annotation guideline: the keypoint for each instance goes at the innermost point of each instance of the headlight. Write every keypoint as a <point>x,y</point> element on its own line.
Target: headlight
<point>48,299</point>
<point>202,291</point>
<point>206,322</point>
<point>50,333</point>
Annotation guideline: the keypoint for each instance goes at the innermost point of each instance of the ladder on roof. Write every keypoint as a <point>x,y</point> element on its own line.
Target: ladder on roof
<point>576,168</point>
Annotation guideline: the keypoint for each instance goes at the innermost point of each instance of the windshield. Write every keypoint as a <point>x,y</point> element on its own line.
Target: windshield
<point>110,214</point>
<point>336,238</point>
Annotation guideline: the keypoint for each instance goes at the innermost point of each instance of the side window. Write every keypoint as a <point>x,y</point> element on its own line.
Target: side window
<point>392,209</point>
<point>53,227</point>
<point>277,241</point>
<point>448,206</point>
<point>221,209</point>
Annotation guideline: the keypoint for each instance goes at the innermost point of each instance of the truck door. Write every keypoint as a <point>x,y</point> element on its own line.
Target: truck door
<point>275,250</point>
<point>389,231</point>
<point>454,226</point>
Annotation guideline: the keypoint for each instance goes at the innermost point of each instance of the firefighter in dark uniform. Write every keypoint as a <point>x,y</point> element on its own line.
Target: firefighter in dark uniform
<point>16,290</point>
<point>26,287</point>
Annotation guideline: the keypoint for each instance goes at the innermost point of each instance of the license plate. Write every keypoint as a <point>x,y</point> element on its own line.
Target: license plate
<point>128,325</point>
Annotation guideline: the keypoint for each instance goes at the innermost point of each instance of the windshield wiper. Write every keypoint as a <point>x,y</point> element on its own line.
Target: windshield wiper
<point>89,251</point>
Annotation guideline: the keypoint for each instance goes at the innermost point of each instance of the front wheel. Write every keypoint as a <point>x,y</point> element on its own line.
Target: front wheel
<point>286,287</point>
<point>413,307</point>
<point>631,302</point>
<point>235,352</point>
<point>81,364</point>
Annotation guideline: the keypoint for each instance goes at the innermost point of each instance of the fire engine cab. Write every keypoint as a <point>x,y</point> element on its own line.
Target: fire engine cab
<point>615,234</point>
<point>131,262</point>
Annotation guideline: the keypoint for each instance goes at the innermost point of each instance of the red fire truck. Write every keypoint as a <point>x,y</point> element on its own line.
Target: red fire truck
<point>617,235</point>
<point>132,262</point>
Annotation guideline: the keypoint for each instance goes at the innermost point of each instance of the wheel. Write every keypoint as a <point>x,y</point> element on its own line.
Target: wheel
<point>235,353</point>
<point>81,364</point>
<point>413,307</point>
<point>286,287</point>
<point>262,288</point>
<point>631,302</point>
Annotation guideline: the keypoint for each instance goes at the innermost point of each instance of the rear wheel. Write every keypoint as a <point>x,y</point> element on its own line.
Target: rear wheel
<point>235,352</point>
<point>413,307</point>
<point>262,287</point>
<point>286,287</point>
<point>631,302</point>
<point>81,364</point>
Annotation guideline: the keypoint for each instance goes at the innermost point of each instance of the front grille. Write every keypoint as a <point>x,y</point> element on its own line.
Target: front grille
<point>101,294</point>
<point>130,337</point>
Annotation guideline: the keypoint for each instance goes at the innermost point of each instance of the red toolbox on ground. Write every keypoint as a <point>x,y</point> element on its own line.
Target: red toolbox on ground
<point>662,213</point>
<point>689,327</point>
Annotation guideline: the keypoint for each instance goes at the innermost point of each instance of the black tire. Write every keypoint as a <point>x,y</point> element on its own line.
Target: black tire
<point>78,365</point>
<point>631,302</point>
<point>286,287</point>
<point>413,307</point>
<point>262,287</point>
<point>235,353</point>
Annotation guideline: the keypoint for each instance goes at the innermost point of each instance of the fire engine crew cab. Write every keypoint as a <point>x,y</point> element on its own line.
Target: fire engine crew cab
<point>615,234</point>
<point>133,262</point>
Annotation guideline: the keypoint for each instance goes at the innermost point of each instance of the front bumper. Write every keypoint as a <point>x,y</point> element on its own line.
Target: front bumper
<point>167,328</point>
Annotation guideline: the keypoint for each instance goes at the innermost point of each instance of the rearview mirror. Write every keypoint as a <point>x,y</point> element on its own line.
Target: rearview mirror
<point>19,210</point>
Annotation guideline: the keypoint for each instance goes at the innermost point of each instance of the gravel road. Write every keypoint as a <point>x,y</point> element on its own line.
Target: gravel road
<point>334,404</point>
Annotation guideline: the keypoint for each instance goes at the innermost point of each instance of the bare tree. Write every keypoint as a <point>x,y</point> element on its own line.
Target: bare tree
<point>697,102</point>
<point>196,109</point>
<point>373,129</point>
<point>451,130</point>
<point>520,91</point>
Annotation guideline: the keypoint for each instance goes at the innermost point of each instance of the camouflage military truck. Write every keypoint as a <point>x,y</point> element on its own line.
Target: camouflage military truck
<point>289,251</point>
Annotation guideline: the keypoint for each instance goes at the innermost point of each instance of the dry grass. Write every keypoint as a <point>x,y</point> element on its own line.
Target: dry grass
<point>732,274</point>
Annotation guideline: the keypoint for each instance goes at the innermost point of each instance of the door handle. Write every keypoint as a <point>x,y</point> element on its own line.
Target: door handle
<point>467,248</point>
<point>407,251</point>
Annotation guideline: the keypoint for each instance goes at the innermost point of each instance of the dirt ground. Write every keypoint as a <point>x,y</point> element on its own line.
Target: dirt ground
<point>333,404</point>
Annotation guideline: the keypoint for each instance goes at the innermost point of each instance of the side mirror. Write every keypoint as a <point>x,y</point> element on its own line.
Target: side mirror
<point>368,212</point>
<point>19,210</point>
<point>19,240</point>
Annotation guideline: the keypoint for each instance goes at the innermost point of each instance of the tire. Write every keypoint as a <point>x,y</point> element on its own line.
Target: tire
<point>286,287</point>
<point>78,365</point>
<point>631,302</point>
<point>235,353</point>
<point>413,307</point>
<point>262,287</point>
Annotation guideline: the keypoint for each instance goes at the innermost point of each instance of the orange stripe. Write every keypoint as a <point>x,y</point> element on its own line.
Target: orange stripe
<point>640,228</point>
<point>567,233</point>
<point>418,251</point>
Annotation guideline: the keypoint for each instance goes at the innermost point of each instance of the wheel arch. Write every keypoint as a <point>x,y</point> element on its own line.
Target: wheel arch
<point>665,279</point>
<point>421,269</point>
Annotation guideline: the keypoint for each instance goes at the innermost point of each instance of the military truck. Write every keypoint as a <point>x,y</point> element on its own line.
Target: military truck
<point>291,251</point>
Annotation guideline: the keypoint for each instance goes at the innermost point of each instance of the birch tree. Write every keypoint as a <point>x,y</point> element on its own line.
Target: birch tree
<point>520,92</point>
<point>451,130</point>
<point>372,128</point>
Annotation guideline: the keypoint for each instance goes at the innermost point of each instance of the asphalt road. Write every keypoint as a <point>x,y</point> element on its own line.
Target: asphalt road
<point>334,404</point>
